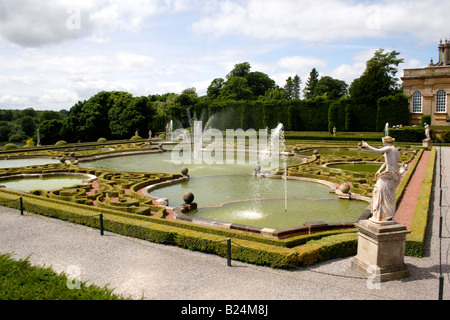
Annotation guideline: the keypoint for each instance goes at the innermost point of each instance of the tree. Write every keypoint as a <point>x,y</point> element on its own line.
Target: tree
<point>236,88</point>
<point>378,80</point>
<point>49,131</point>
<point>292,87</point>
<point>187,98</point>
<point>213,90</point>
<point>239,70</point>
<point>259,83</point>
<point>311,84</point>
<point>296,87</point>
<point>274,94</point>
<point>332,88</point>
<point>50,115</point>
<point>28,125</point>
<point>289,88</point>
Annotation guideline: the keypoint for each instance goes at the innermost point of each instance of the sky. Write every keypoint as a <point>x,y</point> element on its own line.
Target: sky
<point>54,53</point>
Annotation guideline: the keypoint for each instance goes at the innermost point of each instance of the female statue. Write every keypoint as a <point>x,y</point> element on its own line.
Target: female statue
<point>383,203</point>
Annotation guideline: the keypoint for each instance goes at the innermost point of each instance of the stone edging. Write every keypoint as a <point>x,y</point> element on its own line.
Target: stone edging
<point>308,228</point>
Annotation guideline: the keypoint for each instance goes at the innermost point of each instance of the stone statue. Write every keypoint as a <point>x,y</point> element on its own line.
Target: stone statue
<point>334,131</point>
<point>427,131</point>
<point>383,202</point>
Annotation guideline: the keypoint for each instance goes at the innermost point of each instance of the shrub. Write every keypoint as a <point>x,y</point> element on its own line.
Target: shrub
<point>135,138</point>
<point>61,143</point>
<point>445,137</point>
<point>408,134</point>
<point>9,146</point>
<point>18,137</point>
<point>102,140</point>
<point>425,119</point>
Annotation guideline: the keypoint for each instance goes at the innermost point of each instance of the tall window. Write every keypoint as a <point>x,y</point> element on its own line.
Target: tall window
<point>441,101</point>
<point>417,102</point>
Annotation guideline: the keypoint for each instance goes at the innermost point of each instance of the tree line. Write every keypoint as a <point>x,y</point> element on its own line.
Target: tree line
<point>242,99</point>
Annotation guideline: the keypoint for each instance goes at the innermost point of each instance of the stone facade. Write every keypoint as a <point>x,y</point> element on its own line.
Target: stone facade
<point>428,89</point>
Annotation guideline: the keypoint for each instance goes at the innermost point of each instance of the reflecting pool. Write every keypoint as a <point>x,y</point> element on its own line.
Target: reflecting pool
<point>15,163</point>
<point>45,183</point>
<point>260,201</point>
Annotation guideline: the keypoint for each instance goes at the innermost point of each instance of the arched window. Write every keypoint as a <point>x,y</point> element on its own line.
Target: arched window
<point>417,102</point>
<point>441,101</point>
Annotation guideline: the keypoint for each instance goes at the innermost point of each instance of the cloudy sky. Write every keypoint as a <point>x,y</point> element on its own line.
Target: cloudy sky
<point>54,53</point>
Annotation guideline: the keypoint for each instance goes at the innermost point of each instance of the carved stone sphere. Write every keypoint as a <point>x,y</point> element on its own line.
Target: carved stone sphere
<point>188,197</point>
<point>184,171</point>
<point>345,188</point>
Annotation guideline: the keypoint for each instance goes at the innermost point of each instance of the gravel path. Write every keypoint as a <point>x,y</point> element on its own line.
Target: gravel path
<point>151,271</point>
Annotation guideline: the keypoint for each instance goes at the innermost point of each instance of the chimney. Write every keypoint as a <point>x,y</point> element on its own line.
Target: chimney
<point>446,53</point>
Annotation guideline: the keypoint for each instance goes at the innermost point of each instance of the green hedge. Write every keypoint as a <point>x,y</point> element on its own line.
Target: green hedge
<point>408,134</point>
<point>394,110</point>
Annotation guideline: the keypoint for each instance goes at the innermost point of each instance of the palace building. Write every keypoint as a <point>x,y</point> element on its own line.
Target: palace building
<point>428,88</point>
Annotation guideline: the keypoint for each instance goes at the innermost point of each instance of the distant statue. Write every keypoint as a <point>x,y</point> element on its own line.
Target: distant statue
<point>427,131</point>
<point>383,202</point>
<point>38,138</point>
<point>334,131</point>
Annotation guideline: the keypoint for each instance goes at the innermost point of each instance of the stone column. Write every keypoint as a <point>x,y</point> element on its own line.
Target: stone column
<point>381,250</point>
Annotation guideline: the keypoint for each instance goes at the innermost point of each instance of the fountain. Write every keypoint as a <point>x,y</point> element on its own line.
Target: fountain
<point>274,151</point>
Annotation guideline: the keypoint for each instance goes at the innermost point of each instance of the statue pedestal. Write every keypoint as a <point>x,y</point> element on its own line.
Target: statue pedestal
<point>427,143</point>
<point>381,250</point>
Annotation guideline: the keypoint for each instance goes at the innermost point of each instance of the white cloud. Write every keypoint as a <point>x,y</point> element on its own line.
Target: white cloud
<point>58,97</point>
<point>14,100</point>
<point>300,64</point>
<point>37,23</point>
<point>325,21</point>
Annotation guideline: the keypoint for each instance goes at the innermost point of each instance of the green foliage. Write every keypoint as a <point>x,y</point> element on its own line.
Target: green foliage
<point>377,81</point>
<point>9,146</point>
<point>393,109</point>
<point>102,140</point>
<point>311,84</point>
<point>330,88</point>
<point>408,134</point>
<point>426,118</point>
<point>292,87</point>
<point>446,136</point>
<point>19,280</point>
<point>50,131</point>
<point>110,115</point>
<point>61,143</point>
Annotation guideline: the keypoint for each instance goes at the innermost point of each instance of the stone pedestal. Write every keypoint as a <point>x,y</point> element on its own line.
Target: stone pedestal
<point>427,143</point>
<point>381,250</point>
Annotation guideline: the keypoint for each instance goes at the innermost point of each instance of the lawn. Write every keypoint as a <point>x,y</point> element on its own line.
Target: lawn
<point>19,280</point>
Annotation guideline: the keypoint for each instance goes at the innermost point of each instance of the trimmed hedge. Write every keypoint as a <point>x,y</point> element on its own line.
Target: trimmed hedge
<point>408,134</point>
